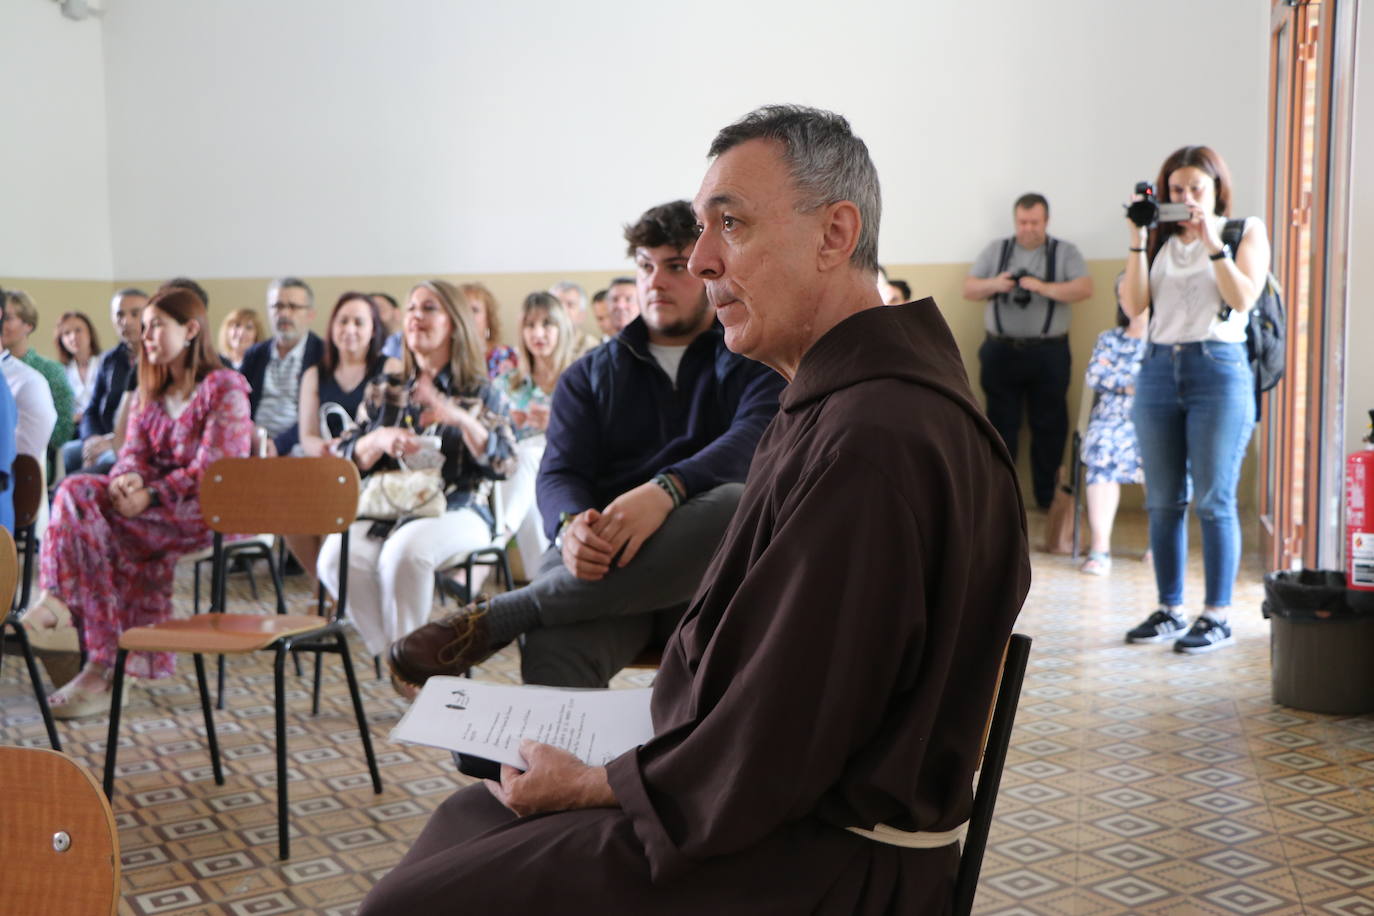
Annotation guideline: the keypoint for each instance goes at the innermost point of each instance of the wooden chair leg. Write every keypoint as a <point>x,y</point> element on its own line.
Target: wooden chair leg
<point>315,692</point>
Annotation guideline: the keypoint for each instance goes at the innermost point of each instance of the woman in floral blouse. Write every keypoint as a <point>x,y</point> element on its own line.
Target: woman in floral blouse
<point>113,541</point>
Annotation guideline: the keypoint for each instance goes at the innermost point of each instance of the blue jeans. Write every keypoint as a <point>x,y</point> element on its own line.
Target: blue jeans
<point>1194,412</point>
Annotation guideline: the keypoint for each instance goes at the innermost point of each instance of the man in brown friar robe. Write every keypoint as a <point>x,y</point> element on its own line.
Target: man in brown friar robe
<point>835,670</point>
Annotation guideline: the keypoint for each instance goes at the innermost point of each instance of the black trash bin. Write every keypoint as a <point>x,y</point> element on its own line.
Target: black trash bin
<point>1321,642</point>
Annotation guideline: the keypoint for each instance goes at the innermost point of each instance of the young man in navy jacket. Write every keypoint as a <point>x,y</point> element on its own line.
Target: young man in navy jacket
<point>649,441</point>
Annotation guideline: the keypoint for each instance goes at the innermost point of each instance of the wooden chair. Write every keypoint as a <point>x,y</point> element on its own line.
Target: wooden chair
<point>58,843</point>
<point>996,740</point>
<point>247,496</point>
<point>9,578</point>
<point>28,498</point>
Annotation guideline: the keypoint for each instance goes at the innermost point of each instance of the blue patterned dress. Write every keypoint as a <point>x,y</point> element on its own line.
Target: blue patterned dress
<point>1110,453</point>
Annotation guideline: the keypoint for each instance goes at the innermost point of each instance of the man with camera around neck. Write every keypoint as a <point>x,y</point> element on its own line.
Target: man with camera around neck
<point>1027,281</point>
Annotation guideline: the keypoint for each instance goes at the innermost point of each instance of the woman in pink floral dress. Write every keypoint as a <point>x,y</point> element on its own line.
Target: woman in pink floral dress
<point>114,539</point>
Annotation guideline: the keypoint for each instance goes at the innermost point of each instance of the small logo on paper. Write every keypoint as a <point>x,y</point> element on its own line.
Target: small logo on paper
<point>460,700</point>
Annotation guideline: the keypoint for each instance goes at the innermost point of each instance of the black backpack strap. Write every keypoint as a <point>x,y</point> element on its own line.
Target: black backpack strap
<point>1051,250</point>
<point>1231,234</point>
<point>1003,260</point>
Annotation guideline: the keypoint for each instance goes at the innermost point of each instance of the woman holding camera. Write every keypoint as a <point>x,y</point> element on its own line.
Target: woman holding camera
<point>1195,396</point>
<point>433,408</point>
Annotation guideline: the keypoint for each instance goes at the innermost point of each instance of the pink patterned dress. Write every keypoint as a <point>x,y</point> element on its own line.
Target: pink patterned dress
<point>116,572</point>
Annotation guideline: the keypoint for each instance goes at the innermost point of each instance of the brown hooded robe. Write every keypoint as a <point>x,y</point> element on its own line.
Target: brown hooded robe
<point>835,669</point>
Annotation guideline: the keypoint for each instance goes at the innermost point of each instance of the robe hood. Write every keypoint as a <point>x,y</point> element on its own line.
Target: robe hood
<point>908,342</point>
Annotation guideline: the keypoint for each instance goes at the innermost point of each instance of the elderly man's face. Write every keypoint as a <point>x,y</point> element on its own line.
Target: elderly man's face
<point>290,311</point>
<point>572,303</point>
<point>757,254</point>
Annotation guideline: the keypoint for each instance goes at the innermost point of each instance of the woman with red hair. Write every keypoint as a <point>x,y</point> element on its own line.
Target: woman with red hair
<point>114,539</point>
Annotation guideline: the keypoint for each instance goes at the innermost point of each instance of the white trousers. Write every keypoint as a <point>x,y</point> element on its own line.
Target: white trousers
<point>391,582</point>
<point>521,511</point>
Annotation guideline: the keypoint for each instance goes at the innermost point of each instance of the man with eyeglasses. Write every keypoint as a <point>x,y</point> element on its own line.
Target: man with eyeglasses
<point>274,366</point>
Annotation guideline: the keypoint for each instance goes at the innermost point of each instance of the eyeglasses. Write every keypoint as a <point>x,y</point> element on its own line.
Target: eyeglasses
<point>288,307</point>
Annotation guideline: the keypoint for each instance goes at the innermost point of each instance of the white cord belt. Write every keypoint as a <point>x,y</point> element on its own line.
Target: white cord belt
<point>912,839</point>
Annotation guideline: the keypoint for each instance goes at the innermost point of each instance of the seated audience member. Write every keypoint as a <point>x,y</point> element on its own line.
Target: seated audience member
<point>78,350</point>
<point>819,713</point>
<point>188,284</point>
<point>21,320</point>
<point>333,390</point>
<point>649,439</point>
<point>93,450</point>
<point>33,402</point>
<point>9,423</point>
<point>392,319</point>
<point>901,292</point>
<point>622,303</point>
<point>486,324</point>
<point>274,366</point>
<point>574,299</point>
<point>240,329</point>
<point>434,408</point>
<point>546,349</point>
<point>1109,451</point>
<point>602,312</point>
<point>109,553</point>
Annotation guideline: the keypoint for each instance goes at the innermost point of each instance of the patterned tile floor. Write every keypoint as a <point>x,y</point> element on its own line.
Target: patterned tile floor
<point>1139,781</point>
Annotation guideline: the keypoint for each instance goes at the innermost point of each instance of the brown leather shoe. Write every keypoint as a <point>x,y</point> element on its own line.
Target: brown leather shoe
<point>450,645</point>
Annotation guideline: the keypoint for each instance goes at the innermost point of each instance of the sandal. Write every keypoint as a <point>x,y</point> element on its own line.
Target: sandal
<point>1097,564</point>
<point>81,703</point>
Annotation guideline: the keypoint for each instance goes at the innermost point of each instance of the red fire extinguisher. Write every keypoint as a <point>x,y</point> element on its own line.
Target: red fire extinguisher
<point>1359,515</point>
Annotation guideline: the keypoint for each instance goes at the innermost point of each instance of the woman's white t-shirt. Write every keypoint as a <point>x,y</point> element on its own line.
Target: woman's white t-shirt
<point>1184,294</point>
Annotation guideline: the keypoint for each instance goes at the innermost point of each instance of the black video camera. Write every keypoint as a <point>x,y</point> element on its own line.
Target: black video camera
<point>1148,212</point>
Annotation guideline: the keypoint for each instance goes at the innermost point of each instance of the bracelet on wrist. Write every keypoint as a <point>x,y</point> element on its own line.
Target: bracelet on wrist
<point>1138,250</point>
<point>665,483</point>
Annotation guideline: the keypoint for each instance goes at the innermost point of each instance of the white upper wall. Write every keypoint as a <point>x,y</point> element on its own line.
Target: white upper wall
<point>255,137</point>
<point>54,189</point>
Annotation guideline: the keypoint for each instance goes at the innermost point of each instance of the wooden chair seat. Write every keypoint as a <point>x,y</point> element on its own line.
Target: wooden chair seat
<point>220,634</point>
<point>47,794</point>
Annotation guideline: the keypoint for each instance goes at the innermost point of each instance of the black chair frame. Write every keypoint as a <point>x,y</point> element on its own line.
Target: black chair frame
<point>990,774</point>
<point>328,638</point>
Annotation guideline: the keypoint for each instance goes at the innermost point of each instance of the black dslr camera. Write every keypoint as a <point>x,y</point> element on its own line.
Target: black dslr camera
<point>1148,212</point>
<point>1019,295</point>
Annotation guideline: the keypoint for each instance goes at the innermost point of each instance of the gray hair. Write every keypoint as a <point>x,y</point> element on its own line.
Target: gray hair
<point>828,164</point>
<point>563,286</point>
<point>282,283</point>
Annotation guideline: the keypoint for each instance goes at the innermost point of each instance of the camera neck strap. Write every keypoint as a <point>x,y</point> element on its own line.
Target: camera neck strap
<point>1004,261</point>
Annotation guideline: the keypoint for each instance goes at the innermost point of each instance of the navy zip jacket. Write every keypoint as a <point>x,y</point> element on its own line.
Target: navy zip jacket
<point>617,420</point>
<point>115,376</point>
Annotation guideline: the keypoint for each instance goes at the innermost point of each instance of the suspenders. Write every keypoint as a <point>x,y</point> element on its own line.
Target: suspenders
<point>1051,249</point>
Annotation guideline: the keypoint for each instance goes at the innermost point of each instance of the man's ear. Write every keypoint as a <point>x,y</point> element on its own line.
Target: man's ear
<point>840,228</point>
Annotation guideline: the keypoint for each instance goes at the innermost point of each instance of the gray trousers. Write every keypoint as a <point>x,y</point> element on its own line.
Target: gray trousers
<point>590,630</point>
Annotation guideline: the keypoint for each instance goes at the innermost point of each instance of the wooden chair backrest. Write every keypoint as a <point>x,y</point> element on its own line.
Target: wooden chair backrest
<point>9,568</point>
<point>48,794</point>
<point>28,490</point>
<point>279,495</point>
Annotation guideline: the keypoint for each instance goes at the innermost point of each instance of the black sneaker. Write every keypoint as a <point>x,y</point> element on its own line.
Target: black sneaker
<point>1207,635</point>
<point>1161,626</point>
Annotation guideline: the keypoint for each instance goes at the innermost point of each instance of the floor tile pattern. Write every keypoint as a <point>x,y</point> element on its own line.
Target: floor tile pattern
<point>1139,780</point>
